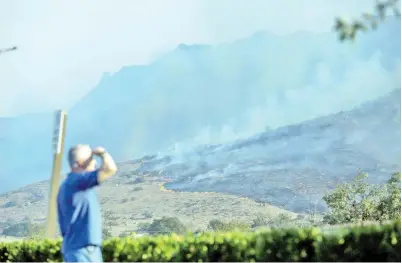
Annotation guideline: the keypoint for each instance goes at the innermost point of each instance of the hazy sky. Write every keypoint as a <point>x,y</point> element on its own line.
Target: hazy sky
<point>65,46</point>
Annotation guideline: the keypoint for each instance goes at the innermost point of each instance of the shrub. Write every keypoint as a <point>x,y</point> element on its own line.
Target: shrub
<point>128,234</point>
<point>375,243</point>
<point>261,221</point>
<point>143,226</point>
<point>106,234</point>
<point>9,204</point>
<point>278,221</point>
<point>147,214</point>
<point>359,201</point>
<point>167,225</point>
<point>24,229</point>
<point>137,180</point>
<point>124,200</point>
<point>216,225</point>
<point>219,226</point>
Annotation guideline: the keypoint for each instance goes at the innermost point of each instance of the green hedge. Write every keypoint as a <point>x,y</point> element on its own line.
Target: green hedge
<point>373,243</point>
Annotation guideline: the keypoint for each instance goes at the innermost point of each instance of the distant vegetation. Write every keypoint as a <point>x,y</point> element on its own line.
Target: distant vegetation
<point>106,234</point>
<point>147,214</point>
<point>360,201</point>
<point>165,225</point>
<point>353,202</point>
<point>25,229</point>
<point>219,226</point>
<point>137,180</point>
<point>279,221</point>
<point>9,204</point>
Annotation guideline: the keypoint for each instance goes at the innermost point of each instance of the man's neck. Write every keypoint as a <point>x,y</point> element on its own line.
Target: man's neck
<point>81,170</point>
<point>77,170</point>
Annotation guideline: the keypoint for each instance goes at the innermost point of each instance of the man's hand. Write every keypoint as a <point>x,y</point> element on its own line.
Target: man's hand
<point>108,167</point>
<point>98,151</point>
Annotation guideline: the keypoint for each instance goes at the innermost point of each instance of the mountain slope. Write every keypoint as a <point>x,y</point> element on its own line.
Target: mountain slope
<point>265,80</point>
<point>25,149</point>
<point>199,94</point>
<point>293,166</point>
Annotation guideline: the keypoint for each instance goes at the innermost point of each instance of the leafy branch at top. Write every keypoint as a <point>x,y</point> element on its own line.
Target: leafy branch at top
<point>348,30</point>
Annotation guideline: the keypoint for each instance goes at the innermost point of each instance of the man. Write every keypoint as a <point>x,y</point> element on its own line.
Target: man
<point>78,206</point>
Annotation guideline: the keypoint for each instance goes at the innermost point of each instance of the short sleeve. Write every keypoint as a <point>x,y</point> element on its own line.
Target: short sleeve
<point>86,180</point>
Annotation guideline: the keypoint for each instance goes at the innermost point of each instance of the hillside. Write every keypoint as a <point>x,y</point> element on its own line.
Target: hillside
<point>204,94</point>
<point>289,167</point>
<point>130,199</point>
<point>293,166</point>
<point>200,95</point>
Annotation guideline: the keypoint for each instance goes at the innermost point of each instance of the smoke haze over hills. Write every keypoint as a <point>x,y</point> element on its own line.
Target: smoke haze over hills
<point>200,95</point>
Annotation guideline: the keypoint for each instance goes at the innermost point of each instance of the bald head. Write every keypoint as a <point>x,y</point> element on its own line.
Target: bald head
<point>80,156</point>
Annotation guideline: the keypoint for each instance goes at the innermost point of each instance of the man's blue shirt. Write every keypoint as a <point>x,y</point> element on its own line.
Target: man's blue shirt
<point>79,211</point>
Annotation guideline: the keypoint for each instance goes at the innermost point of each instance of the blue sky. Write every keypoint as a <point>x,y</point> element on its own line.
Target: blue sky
<point>65,46</point>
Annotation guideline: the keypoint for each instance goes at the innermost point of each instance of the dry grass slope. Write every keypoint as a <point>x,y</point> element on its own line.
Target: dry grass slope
<point>130,199</point>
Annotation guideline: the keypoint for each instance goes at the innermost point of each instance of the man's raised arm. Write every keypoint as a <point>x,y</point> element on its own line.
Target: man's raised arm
<point>108,167</point>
